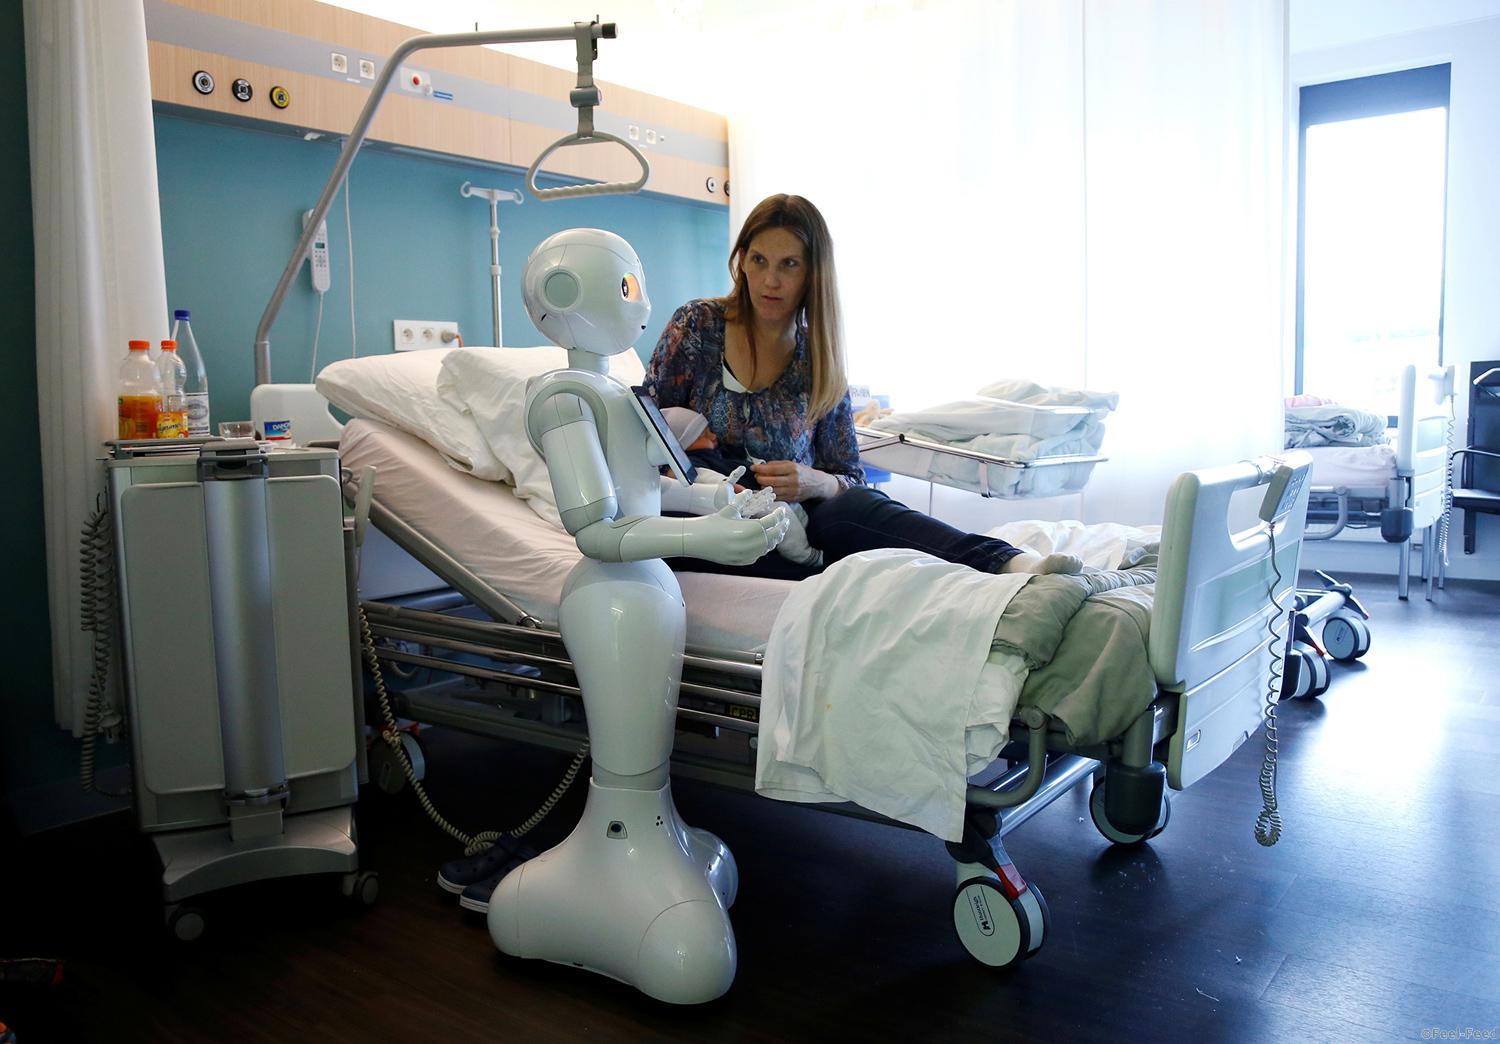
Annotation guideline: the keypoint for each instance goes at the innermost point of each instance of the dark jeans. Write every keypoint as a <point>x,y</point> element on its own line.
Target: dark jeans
<point>865,519</point>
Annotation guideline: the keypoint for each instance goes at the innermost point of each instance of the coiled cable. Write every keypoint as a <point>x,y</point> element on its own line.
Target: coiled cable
<point>96,570</point>
<point>1268,821</point>
<point>392,736</point>
<point>1446,521</point>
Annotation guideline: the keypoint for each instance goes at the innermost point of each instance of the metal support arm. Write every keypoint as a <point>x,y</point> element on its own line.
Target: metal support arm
<point>585,33</point>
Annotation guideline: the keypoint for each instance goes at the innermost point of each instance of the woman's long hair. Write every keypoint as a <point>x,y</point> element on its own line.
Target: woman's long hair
<point>819,312</point>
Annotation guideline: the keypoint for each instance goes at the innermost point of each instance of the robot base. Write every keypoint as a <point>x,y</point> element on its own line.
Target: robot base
<point>632,893</point>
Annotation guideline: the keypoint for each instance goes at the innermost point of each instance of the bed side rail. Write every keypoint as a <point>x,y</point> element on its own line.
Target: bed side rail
<point>1424,427</point>
<point>1218,599</point>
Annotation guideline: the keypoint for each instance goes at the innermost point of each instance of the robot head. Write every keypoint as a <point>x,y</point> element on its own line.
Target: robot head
<point>585,290</point>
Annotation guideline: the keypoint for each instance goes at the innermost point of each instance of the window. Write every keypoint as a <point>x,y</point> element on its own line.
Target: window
<point>1372,194</point>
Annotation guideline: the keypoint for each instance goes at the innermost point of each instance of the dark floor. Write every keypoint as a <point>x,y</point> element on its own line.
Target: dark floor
<point>1377,917</point>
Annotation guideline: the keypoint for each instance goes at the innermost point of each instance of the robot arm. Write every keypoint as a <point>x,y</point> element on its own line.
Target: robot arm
<point>569,440</point>
<point>701,498</point>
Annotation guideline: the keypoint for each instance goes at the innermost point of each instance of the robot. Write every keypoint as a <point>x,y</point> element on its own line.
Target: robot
<point>633,892</point>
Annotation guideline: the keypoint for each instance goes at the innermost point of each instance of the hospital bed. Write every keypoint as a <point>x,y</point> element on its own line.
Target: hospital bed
<point>1400,488</point>
<point>1219,598</point>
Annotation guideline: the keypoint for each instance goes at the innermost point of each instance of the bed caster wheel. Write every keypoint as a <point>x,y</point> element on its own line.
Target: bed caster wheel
<point>386,770</point>
<point>1346,638</point>
<point>1117,836</point>
<point>998,931</point>
<point>1305,675</point>
<point>185,922</point>
<point>361,888</point>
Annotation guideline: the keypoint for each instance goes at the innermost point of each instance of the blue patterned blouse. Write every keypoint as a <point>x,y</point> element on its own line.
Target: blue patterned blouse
<point>687,369</point>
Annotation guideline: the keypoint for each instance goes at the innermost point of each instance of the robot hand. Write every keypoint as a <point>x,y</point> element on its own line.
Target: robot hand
<point>730,539</point>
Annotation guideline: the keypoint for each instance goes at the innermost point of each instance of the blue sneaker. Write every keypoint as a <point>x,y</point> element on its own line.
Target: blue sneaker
<point>458,874</point>
<point>476,897</point>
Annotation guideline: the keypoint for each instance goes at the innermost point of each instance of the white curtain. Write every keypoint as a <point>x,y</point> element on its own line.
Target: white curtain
<point>100,279</point>
<point>1083,192</point>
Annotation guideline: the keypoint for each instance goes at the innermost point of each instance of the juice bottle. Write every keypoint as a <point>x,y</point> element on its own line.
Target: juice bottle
<point>138,396</point>
<point>171,376</point>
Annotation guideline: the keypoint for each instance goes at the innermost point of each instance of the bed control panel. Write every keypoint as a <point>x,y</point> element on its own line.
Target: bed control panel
<point>1281,492</point>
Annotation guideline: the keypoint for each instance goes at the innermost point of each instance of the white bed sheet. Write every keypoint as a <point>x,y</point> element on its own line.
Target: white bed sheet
<point>1353,467</point>
<point>506,544</point>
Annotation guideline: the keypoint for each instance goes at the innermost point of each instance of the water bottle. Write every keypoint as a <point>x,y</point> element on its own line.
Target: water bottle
<point>137,393</point>
<point>171,377</point>
<point>195,388</point>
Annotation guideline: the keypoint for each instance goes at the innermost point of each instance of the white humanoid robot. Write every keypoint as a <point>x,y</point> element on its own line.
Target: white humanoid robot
<point>633,892</point>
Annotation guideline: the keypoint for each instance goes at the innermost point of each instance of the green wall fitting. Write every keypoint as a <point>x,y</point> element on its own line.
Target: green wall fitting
<point>232,200</point>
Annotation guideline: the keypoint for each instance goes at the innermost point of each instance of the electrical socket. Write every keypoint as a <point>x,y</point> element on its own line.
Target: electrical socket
<point>410,335</point>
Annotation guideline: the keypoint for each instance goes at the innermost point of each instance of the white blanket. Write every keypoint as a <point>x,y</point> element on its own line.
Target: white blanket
<point>1102,545</point>
<point>967,418</point>
<point>874,672</point>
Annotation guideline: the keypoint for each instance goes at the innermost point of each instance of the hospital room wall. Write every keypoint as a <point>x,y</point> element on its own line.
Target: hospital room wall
<point>1471,308</point>
<point>231,204</point>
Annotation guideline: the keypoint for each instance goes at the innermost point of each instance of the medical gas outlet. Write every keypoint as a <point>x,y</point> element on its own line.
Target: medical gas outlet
<point>415,334</point>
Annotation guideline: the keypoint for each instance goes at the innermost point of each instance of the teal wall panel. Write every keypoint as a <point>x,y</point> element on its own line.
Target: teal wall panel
<point>232,199</point>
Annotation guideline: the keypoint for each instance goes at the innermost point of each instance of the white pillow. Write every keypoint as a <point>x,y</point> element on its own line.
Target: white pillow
<point>490,383</point>
<point>401,390</point>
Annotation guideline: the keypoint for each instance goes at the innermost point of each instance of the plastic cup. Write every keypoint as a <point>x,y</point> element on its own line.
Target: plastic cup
<point>236,430</point>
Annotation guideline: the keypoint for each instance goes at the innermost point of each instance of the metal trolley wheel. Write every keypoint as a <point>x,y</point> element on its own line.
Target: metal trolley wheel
<point>1115,835</point>
<point>186,923</point>
<point>362,887</point>
<point>1346,638</point>
<point>998,931</point>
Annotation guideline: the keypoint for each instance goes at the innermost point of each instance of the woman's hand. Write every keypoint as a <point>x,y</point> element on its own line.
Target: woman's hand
<point>793,482</point>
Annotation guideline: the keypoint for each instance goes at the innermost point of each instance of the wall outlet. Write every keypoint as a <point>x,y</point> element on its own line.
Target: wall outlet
<point>410,335</point>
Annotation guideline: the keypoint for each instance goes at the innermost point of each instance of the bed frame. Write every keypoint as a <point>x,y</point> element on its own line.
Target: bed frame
<point>1218,604</point>
<point>1417,496</point>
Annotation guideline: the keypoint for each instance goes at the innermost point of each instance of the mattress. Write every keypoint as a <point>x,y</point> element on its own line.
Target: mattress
<point>518,553</point>
<point>1353,467</point>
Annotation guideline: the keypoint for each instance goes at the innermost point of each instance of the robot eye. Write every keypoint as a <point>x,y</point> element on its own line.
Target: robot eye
<point>630,289</point>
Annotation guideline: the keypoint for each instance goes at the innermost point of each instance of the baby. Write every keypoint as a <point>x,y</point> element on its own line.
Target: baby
<point>717,465</point>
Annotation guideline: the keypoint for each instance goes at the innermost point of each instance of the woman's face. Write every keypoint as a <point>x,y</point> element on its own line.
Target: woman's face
<point>776,270</point>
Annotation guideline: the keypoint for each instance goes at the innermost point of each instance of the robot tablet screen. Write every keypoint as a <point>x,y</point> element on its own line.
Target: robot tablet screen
<point>655,422</point>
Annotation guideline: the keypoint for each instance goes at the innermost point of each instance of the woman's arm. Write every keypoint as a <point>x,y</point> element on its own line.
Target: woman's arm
<point>835,464</point>
<point>835,449</point>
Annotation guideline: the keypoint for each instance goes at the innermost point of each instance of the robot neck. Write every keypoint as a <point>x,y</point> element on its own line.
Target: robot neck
<point>578,359</point>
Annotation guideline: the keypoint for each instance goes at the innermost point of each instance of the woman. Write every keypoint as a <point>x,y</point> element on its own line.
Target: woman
<point>765,365</point>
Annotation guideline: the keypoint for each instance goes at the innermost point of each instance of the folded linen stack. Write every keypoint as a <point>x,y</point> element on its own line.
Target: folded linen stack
<point>1018,420</point>
<point>1332,425</point>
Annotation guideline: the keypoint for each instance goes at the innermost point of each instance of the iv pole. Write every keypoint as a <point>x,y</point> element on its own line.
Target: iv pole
<point>583,97</point>
<point>494,195</point>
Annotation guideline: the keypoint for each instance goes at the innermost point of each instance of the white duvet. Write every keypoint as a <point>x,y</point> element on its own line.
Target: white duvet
<point>879,687</point>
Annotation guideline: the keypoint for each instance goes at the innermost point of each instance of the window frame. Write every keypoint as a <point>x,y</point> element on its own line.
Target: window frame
<point>1384,94</point>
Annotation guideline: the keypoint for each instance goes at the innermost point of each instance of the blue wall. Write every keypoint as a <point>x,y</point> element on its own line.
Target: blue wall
<point>232,199</point>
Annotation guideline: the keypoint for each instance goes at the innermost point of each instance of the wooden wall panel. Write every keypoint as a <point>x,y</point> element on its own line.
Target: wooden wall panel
<point>331,105</point>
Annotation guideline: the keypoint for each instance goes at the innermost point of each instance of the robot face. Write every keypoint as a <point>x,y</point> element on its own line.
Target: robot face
<point>584,289</point>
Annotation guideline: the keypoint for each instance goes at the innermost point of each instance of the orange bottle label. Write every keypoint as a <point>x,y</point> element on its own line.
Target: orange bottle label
<point>172,424</point>
<point>138,416</point>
